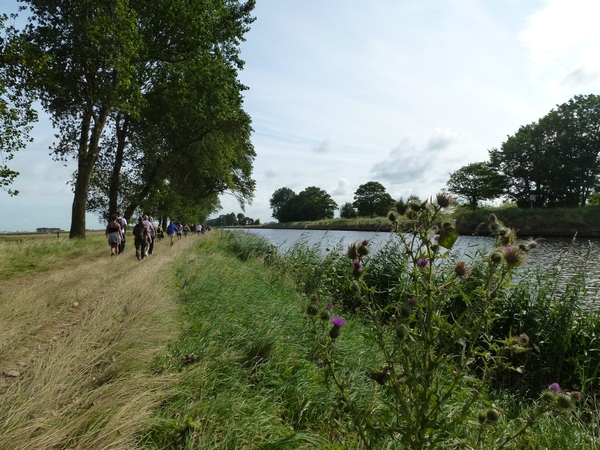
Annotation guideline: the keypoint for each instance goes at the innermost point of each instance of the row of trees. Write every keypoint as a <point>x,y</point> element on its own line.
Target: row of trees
<point>370,199</point>
<point>144,95</point>
<point>553,162</point>
<point>232,219</point>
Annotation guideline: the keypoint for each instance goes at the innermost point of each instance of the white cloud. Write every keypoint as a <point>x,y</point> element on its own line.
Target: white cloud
<point>564,44</point>
<point>329,145</point>
<point>420,163</point>
<point>342,187</point>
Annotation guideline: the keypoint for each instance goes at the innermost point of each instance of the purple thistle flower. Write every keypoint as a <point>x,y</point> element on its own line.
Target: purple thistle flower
<point>422,262</point>
<point>555,387</point>
<point>357,265</point>
<point>338,321</point>
<point>329,306</point>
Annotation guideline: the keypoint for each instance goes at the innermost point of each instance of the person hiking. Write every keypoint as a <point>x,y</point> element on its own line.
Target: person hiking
<point>141,235</point>
<point>114,235</point>
<point>121,221</point>
<point>171,230</point>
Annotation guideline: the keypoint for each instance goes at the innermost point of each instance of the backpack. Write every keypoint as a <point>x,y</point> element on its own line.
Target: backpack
<point>139,231</point>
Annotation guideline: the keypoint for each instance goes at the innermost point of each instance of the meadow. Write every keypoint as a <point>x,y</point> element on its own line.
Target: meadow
<point>223,343</point>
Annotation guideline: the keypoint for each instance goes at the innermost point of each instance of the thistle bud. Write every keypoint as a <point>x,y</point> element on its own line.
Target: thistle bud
<point>413,302</point>
<point>492,415</point>
<point>461,269</point>
<point>496,257</point>
<point>564,401</point>
<point>548,396</point>
<point>312,310</point>
<point>401,331</point>
<point>363,248</point>
<point>405,311</point>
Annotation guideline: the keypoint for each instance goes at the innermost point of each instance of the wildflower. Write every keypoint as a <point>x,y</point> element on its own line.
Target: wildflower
<point>413,302</point>
<point>357,269</point>
<point>352,252</point>
<point>524,338</point>
<point>394,209</point>
<point>338,323</point>
<point>422,262</point>
<point>411,214</point>
<point>329,306</point>
<point>492,217</point>
<point>533,244</point>
<point>555,387</point>
<point>443,199</point>
<point>576,396</point>
<point>514,256</point>
<point>461,269</point>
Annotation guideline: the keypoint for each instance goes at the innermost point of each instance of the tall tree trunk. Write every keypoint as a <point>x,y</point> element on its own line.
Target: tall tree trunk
<point>122,125</point>
<point>87,158</point>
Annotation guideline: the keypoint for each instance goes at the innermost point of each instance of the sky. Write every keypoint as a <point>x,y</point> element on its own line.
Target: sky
<point>343,92</point>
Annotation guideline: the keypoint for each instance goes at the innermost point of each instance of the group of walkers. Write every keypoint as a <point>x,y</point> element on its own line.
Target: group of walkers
<point>145,234</point>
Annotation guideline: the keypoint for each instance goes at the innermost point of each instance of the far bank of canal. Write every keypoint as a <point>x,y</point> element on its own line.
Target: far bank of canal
<point>535,223</point>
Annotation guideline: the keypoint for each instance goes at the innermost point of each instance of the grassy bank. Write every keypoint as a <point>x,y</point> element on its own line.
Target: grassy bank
<point>253,378</point>
<point>585,222</point>
<point>208,345</point>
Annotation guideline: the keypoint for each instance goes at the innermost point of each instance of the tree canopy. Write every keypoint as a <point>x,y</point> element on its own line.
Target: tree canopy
<point>475,182</point>
<point>16,112</point>
<point>145,96</point>
<point>311,204</point>
<point>371,199</point>
<point>555,159</point>
<point>554,162</point>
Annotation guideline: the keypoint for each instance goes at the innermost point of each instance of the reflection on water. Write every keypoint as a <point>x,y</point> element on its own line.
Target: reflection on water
<point>569,255</point>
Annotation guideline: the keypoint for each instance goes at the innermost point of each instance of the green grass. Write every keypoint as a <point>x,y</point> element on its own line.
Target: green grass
<point>28,254</point>
<point>250,379</point>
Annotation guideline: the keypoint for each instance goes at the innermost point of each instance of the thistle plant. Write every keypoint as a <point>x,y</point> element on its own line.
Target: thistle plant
<point>433,346</point>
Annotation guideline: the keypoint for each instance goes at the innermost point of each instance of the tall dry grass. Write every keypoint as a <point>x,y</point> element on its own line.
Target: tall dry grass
<point>76,344</point>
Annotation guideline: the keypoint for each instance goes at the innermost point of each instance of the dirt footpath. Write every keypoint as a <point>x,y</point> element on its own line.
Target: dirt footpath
<point>77,345</point>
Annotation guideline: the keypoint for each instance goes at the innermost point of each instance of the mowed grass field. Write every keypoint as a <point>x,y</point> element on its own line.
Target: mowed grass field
<point>78,333</point>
